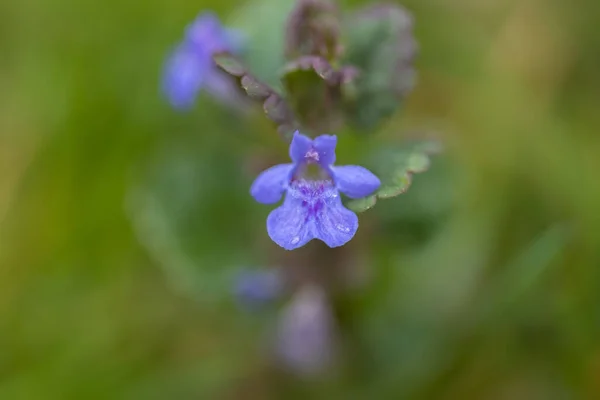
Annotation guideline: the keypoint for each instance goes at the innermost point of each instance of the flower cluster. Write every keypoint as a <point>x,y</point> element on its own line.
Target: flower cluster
<point>190,67</point>
<point>332,77</point>
<point>339,71</point>
<point>312,208</point>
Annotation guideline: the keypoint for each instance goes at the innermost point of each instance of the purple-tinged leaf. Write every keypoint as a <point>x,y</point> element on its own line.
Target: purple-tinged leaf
<point>313,28</point>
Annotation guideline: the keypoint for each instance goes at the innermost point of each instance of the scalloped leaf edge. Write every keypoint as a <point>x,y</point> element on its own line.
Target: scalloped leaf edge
<point>427,149</point>
<point>274,106</point>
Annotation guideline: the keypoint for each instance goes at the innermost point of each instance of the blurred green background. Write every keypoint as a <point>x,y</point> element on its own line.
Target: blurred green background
<point>123,222</point>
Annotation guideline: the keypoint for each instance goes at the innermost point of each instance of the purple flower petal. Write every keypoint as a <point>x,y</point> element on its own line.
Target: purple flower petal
<point>299,147</point>
<point>287,225</point>
<point>325,147</point>
<point>184,75</point>
<point>271,183</point>
<point>334,224</point>
<point>306,333</point>
<point>191,67</point>
<point>312,208</point>
<point>258,288</point>
<point>355,181</point>
<point>206,32</point>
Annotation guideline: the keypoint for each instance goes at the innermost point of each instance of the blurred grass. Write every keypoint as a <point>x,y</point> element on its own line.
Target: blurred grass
<point>507,221</point>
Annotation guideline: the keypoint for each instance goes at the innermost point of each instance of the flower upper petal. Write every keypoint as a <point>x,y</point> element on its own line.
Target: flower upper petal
<point>288,225</point>
<point>334,224</point>
<point>325,147</point>
<point>190,67</point>
<point>269,185</point>
<point>206,32</point>
<point>184,74</point>
<point>299,147</point>
<point>355,181</point>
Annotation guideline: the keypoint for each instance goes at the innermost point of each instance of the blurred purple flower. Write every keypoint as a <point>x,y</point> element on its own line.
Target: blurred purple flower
<point>305,333</point>
<point>190,67</point>
<point>258,288</point>
<point>312,208</point>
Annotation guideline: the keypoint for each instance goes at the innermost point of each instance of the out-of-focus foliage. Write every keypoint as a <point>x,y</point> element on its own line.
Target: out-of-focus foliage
<point>380,42</point>
<point>123,224</point>
<point>314,91</point>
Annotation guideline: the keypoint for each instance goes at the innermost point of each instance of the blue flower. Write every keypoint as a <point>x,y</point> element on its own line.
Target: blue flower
<point>312,208</point>
<point>190,67</point>
<point>305,340</point>
<point>254,289</point>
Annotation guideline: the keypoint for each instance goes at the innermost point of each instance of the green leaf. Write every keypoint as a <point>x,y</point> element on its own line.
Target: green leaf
<point>380,44</point>
<point>273,104</point>
<point>522,273</point>
<point>229,63</point>
<point>276,109</point>
<point>313,29</point>
<point>313,90</point>
<point>361,205</point>
<point>254,88</point>
<point>264,42</point>
<point>395,167</point>
<point>172,205</point>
